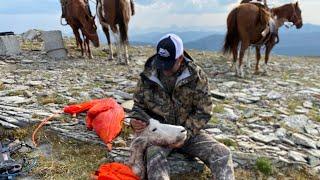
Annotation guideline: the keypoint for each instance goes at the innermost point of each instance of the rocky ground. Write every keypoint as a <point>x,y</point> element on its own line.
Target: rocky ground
<point>271,120</point>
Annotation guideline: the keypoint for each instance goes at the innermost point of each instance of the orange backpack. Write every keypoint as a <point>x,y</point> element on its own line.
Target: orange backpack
<point>105,117</point>
<point>115,171</point>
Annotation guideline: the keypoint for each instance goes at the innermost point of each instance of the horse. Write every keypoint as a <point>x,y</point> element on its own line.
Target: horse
<point>78,16</point>
<point>116,14</point>
<point>247,22</point>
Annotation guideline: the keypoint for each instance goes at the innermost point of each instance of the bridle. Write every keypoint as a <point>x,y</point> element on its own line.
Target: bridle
<point>294,19</point>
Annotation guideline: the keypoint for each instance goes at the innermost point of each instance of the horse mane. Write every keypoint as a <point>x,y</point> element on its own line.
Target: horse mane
<point>280,10</point>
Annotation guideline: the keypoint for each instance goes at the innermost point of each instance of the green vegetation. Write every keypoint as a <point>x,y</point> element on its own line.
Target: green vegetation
<point>264,166</point>
<point>214,120</point>
<point>293,104</point>
<point>314,115</point>
<point>219,108</point>
<point>54,98</point>
<point>16,93</point>
<point>228,142</point>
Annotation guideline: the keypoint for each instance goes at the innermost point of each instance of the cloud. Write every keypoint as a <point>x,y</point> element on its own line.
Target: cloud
<point>188,6</point>
<point>30,6</point>
<point>21,15</point>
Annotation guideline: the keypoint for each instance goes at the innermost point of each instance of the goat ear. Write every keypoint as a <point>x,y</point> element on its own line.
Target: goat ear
<point>297,4</point>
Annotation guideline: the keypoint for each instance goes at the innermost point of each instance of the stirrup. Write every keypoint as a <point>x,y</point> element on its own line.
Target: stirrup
<point>62,22</point>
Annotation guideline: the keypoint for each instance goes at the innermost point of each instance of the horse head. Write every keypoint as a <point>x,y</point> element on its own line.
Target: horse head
<point>296,17</point>
<point>90,30</point>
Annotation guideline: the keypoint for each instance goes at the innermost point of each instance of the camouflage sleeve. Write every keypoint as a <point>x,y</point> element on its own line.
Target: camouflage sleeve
<point>139,108</point>
<point>202,106</point>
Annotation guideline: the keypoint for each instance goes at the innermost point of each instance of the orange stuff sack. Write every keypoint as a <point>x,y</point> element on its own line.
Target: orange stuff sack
<point>79,108</point>
<point>115,171</point>
<point>106,119</point>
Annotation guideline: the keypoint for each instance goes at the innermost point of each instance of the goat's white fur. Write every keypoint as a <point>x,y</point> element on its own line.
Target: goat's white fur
<point>157,134</point>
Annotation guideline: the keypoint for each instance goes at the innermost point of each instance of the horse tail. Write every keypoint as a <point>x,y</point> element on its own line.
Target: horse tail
<point>123,26</point>
<point>232,38</point>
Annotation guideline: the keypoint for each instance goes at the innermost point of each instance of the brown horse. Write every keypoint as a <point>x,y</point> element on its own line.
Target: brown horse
<point>78,16</point>
<point>116,14</point>
<point>247,22</point>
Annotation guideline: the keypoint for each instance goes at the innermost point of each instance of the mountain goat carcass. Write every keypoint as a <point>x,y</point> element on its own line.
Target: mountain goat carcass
<point>155,134</point>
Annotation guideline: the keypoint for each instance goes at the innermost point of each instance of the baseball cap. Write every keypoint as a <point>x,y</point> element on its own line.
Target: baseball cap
<point>169,48</point>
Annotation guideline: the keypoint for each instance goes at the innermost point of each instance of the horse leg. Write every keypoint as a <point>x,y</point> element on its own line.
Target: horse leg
<point>268,50</point>
<point>235,56</point>
<point>244,47</point>
<point>258,57</point>
<point>248,62</point>
<point>84,44</point>
<point>88,48</point>
<point>78,39</point>
<point>126,56</point>
<point>118,45</point>
<point>107,33</point>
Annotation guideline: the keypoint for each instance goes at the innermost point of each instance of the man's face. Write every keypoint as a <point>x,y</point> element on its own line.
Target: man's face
<point>175,67</point>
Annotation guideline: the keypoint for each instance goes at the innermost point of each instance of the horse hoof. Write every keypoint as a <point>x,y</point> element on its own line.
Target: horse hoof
<point>265,73</point>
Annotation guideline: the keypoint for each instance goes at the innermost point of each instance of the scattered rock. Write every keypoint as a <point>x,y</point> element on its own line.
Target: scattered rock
<point>300,139</point>
<point>297,122</point>
<point>264,138</point>
<point>281,132</point>
<point>214,131</point>
<point>296,156</point>
<point>128,104</point>
<point>273,95</point>
<point>230,115</point>
<point>218,95</point>
<point>308,104</point>
<point>34,83</point>
<point>229,84</point>
<point>301,110</point>
<point>266,115</point>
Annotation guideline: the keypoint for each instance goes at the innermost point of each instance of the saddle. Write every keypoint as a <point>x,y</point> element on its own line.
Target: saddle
<point>64,3</point>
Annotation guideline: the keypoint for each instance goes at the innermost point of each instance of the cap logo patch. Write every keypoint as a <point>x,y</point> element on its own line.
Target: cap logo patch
<point>163,53</point>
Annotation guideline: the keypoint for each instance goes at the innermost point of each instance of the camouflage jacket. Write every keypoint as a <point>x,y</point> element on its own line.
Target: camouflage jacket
<point>189,104</point>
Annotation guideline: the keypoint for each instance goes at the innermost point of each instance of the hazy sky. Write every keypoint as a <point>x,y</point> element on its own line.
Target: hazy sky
<point>21,15</point>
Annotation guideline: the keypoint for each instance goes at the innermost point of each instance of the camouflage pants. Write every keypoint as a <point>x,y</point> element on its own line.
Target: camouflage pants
<point>214,154</point>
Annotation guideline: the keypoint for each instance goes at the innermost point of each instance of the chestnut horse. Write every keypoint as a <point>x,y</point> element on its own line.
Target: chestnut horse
<point>78,16</point>
<point>247,22</point>
<point>116,14</point>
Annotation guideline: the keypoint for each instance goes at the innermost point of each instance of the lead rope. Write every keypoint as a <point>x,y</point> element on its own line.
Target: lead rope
<point>43,122</point>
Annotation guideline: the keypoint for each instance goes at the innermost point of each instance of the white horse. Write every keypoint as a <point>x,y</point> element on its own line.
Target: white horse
<point>155,134</point>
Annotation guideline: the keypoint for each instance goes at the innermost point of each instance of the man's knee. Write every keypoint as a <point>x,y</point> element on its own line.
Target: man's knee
<point>157,164</point>
<point>217,154</point>
<point>220,163</point>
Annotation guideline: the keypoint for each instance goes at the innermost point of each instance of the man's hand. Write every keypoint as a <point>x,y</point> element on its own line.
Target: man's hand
<point>137,125</point>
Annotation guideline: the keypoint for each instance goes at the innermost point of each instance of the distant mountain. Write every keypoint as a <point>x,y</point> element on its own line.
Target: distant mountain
<point>153,37</point>
<point>293,42</point>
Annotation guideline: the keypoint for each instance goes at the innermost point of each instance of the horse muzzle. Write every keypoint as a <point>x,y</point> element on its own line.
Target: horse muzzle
<point>96,44</point>
<point>299,24</point>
